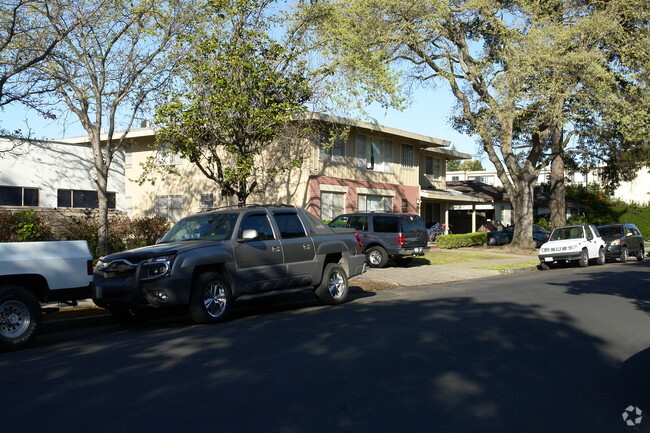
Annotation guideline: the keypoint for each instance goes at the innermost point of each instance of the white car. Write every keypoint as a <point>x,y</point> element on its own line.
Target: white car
<point>580,243</point>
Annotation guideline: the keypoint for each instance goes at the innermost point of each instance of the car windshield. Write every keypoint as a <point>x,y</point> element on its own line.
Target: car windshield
<point>563,233</point>
<point>611,231</point>
<point>214,227</point>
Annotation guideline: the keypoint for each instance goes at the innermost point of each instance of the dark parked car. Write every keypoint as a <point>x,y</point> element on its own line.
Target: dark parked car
<point>540,235</point>
<point>623,240</point>
<point>387,236</point>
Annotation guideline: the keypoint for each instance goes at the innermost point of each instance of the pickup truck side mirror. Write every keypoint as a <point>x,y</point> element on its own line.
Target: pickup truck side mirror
<point>249,235</point>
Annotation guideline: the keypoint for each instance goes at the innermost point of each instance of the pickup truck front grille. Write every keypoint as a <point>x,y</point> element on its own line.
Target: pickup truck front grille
<point>119,268</point>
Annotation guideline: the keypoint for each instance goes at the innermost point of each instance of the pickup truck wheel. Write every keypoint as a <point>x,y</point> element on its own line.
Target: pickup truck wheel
<point>377,257</point>
<point>333,288</point>
<point>211,298</point>
<point>625,254</point>
<point>583,261</point>
<point>640,254</point>
<point>20,317</point>
<point>601,257</point>
<point>128,315</point>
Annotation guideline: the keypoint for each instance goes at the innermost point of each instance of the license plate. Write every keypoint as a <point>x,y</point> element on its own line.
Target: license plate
<point>548,259</point>
<point>417,250</point>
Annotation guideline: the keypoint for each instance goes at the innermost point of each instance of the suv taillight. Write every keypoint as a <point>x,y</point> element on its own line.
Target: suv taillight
<point>400,239</point>
<point>356,235</point>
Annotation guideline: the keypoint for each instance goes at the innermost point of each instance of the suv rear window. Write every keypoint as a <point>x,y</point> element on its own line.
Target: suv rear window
<point>385,224</point>
<point>412,223</point>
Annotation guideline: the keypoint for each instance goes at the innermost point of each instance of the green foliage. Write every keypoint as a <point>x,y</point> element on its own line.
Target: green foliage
<point>601,208</point>
<point>123,233</point>
<point>453,165</point>
<point>461,240</point>
<point>471,165</point>
<point>542,222</point>
<point>638,215</point>
<point>241,88</point>
<point>23,226</point>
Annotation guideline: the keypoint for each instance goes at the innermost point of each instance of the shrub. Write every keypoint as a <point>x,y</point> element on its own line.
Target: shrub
<point>576,219</point>
<point>123,233</point>
<point>543,223</point>
<point>461,240</point>
<point>23,226</point>
<point>639,216</point>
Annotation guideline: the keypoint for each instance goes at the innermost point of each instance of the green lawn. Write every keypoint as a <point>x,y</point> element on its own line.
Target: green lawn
<point>510,266</point>
<point>448,257</point>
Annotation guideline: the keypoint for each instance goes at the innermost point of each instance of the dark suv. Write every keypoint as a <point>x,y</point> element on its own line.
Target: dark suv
<point>622,241</point>
<point>387,236</point>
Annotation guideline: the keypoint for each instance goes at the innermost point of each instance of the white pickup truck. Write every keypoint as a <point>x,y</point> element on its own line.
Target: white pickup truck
<point>32,273</point>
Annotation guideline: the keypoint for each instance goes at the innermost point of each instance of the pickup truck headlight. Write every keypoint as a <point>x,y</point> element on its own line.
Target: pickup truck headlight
<point>615,242</point>
<point>157,267</point>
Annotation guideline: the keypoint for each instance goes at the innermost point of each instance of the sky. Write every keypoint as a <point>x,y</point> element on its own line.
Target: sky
<point>428,114</point>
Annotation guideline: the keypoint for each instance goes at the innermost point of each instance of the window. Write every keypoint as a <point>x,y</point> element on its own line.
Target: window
<point>206,201</point>
<point>374,154</point>
<point>166,157</point>
<point>407,156</point>
<point>81,199</point>
<point>405,205</point>
<point>258,222</point>
<point>331,204</point>
<point>454,178</point>
<point>375,203</point>
<point>18,196</point>
<point>169,207</point>
<point>331,150</point>
<point>432,166</point>
<point>385,224</point>
<point>290,226</point>
<point>359,222</point>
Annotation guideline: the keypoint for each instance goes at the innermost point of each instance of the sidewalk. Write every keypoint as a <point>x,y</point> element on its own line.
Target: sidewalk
<point>421,275</point>
<point>87,314</point>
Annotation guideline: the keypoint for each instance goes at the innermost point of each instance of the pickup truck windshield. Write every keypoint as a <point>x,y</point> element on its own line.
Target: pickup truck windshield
<point>213,227</point>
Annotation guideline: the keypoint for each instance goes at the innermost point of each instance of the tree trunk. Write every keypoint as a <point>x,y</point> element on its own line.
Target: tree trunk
<point>558,190</point>
<point>101,171</point>
<point>522,202</point>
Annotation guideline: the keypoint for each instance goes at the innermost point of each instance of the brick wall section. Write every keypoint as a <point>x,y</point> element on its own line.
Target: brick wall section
<point>410,193</point>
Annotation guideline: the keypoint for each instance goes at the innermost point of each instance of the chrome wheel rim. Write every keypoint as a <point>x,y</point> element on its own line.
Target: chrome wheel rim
<point>375,257</point>
<point>14,319</point>
<point>624,255</point>
<point>215,299</point>
<point>336,284</point>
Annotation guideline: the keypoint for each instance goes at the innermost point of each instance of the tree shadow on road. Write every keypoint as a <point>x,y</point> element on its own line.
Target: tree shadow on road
<point>442,365</point>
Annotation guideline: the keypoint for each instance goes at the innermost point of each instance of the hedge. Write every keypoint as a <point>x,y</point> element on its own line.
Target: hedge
<point>461,240</point>
<point>123,232</point>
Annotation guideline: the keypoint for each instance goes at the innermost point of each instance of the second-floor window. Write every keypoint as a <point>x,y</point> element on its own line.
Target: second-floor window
<point>407,156</point>
<point>331,150</point>
<point>374,154</point>
<point>432,166</point>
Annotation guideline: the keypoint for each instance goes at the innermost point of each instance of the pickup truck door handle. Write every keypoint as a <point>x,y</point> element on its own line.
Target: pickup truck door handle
<point>276,249</point>
<point>306,246</point>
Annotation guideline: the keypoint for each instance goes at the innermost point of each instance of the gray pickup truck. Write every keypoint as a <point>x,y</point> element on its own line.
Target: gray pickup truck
<point>208,260</point>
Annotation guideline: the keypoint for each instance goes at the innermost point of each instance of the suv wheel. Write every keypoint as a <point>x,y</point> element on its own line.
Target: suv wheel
<point>492,241</point>
<point>211,298</point>
<point>583,261</point>
<point>601,257</point>
<point>376,257</point>
<point>625,254</point>
<point>333,288</point>
<point>640,254</point>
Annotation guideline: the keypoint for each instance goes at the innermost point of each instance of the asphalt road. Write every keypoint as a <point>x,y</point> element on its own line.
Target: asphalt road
<point>558,351</point>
